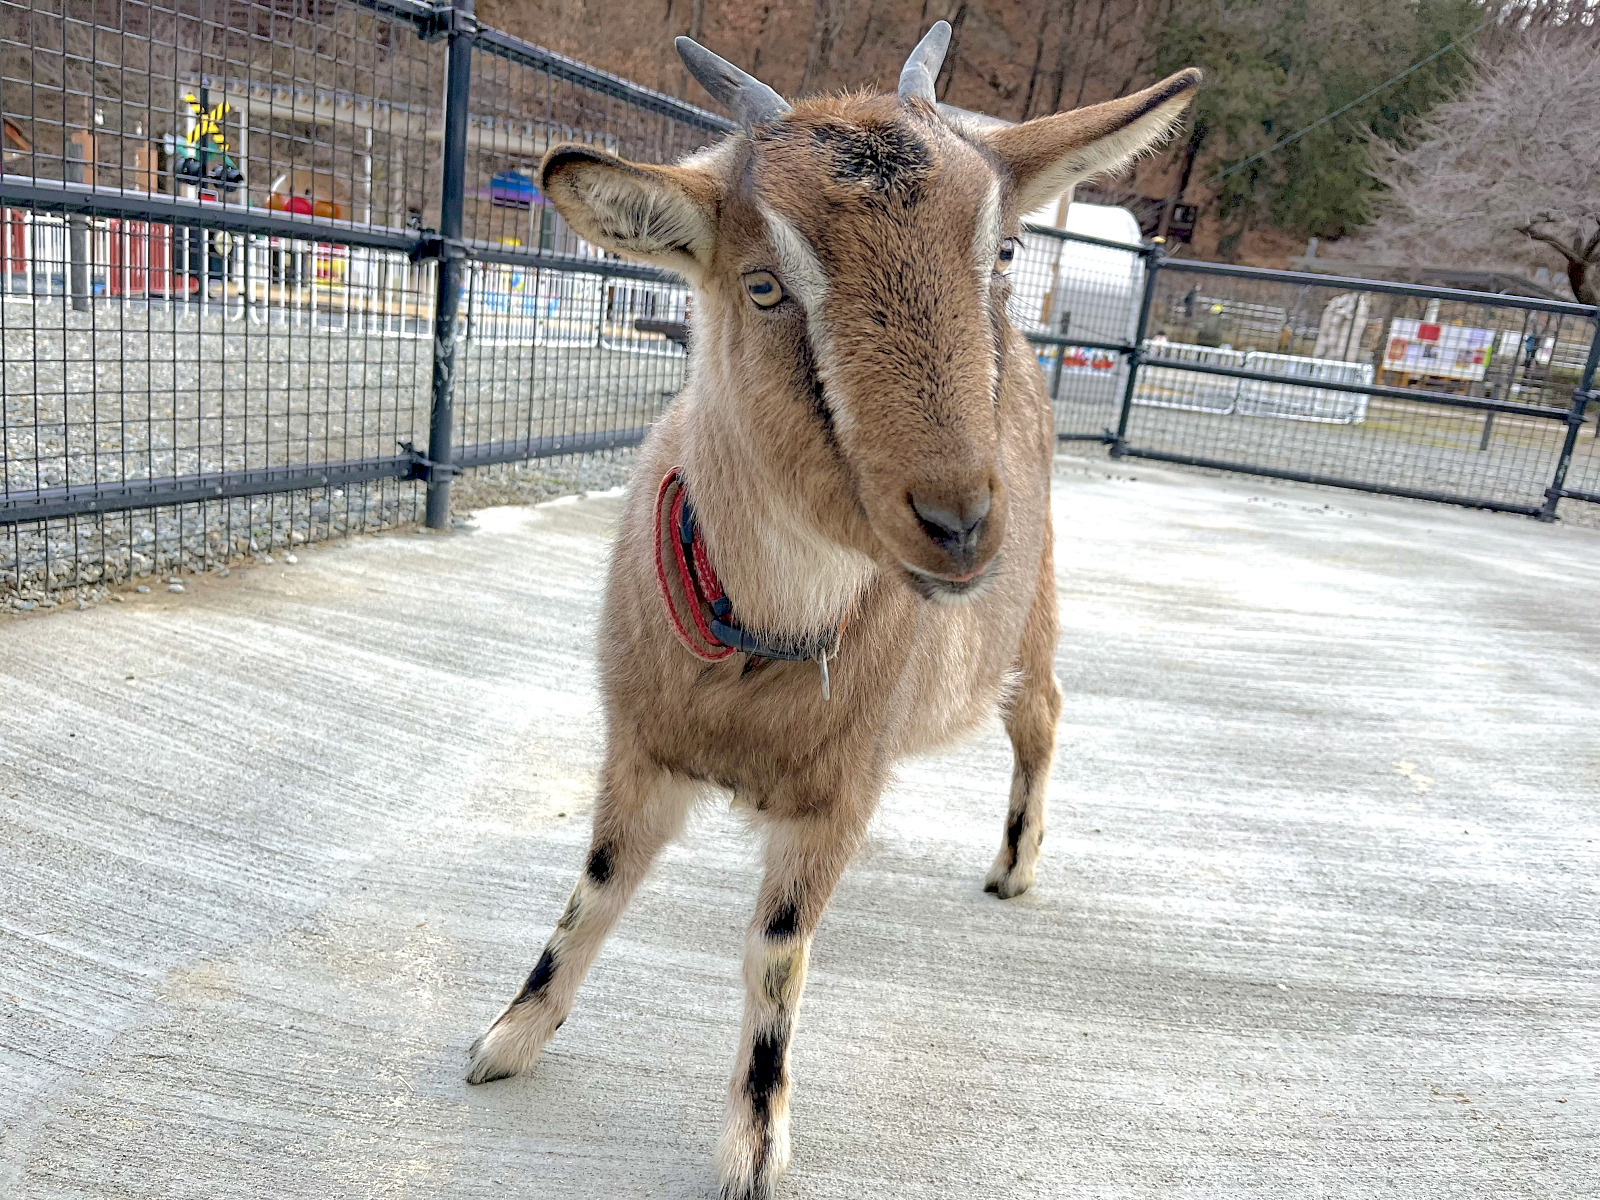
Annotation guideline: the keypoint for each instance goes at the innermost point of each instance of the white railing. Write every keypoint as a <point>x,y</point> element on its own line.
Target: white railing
<point>523,306</point>
<point>1309,390</point>
<point>1168,387</point>
<point>1302,401</point>
<point>631,301</point>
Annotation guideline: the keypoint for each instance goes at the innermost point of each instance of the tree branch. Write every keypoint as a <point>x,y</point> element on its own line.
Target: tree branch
<point>1567,252</point>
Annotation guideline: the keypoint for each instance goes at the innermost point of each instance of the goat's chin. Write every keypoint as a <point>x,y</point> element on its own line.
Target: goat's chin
<point>944,591</point>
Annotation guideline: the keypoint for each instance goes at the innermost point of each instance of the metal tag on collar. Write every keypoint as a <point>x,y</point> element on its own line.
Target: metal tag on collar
<point>822,661</point>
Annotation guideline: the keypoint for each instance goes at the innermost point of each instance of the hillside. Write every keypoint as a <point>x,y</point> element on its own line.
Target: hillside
<point>1274,66</point>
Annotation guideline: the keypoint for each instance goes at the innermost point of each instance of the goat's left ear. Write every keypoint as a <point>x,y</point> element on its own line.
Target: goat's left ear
<point>1048,155</point>
<point>661,215</point>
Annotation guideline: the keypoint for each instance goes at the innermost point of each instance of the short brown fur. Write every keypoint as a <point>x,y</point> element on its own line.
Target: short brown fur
<point>813,436</point>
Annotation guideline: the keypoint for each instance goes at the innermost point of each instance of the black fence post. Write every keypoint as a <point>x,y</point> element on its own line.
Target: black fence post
<point>1580,404</point>
<point>1152,252</point>
<point>451,259</point>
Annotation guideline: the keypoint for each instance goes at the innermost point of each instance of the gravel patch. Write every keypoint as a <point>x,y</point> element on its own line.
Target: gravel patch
<point>135,391</point>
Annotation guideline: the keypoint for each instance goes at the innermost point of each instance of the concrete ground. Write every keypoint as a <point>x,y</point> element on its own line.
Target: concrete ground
<point>1318,916</point>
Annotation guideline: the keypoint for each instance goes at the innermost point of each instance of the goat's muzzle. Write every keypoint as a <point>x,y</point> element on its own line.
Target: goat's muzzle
<point>960,527</point>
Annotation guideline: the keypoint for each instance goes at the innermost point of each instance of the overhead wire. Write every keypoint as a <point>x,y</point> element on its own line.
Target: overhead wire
<point>1344,108</point>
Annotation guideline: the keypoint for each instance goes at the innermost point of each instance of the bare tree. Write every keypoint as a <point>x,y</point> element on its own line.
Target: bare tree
<point>1508,174</point>
<point>826,21</point>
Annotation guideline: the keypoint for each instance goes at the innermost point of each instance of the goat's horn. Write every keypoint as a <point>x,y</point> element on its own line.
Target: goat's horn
<point>745,96</point>
<point>922,68</point>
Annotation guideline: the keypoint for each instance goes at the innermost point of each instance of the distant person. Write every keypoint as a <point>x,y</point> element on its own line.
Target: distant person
<point>1530,349</point>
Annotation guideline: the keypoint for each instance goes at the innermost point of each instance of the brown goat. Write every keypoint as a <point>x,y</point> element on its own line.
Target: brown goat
<point>866,443</point>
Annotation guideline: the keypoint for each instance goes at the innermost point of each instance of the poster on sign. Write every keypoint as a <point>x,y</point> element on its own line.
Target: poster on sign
<point>1443,351</point>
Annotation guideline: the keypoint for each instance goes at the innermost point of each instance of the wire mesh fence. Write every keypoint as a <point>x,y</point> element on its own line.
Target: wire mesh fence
<point>1430,392</point>
<point>279,270</point>
<point>221,275</point>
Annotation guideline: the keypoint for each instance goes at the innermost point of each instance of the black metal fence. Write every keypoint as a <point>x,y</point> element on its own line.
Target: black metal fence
<point>278,270</point>
<point>1438,394</point>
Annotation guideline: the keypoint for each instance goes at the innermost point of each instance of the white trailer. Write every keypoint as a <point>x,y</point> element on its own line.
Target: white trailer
<point>1077,290</point>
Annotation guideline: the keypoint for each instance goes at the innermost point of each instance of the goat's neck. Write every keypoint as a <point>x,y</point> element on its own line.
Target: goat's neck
<point>783,571</point>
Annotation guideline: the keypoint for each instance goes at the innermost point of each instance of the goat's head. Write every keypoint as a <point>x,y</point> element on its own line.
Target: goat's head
<point>854,250</point>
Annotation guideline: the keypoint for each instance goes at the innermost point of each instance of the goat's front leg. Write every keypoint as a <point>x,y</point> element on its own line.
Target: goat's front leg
<point>641,807</point>
<point>805,857</point>
<point>1031,721</point>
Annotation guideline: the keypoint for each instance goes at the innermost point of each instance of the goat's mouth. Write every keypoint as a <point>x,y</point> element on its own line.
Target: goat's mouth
<point>950,589</point>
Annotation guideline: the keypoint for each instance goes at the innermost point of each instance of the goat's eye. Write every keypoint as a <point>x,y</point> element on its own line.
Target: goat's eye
<point>1008,251</point>
<point>764,288</point>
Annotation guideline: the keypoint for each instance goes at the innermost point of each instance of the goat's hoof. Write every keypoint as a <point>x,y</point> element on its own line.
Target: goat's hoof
<point>504,1050</point>
<point>748,1187</point>
<point>751,1159</point>
<point>1008,881</point>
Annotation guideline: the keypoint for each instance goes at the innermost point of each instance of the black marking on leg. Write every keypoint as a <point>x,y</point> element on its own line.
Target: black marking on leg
<point>543,972</point>
<point>765,1080</point>
<point>599,868</point>
<point>784,922</point>
<point>1014,829</point>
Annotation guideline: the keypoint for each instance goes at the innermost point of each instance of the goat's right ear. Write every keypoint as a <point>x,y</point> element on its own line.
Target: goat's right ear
<point>660,215</point>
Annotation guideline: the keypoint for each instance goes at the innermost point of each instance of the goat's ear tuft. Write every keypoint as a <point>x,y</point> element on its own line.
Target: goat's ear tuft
<point>1048,155</point>
<point>660,215</point>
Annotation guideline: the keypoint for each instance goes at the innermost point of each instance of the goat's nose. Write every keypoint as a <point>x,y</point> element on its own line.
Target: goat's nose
<point>957,530</point>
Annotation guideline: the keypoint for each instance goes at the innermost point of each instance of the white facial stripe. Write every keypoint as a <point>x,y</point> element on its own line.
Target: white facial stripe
<point>803,276</point>
<point>797,263</point>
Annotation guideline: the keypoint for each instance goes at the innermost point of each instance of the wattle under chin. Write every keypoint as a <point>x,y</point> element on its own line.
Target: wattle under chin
<point>945,591</point>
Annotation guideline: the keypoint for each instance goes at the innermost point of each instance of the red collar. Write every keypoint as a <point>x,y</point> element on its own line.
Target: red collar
<point>698,609</point>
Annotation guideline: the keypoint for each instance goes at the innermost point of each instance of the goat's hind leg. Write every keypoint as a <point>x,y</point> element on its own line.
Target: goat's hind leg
<point>640,809</point>
<point>1031,722</point>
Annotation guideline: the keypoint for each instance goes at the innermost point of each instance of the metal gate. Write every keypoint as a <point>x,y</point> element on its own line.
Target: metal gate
<point>1438,394</point>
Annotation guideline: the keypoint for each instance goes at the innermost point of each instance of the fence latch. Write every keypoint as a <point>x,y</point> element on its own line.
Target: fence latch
<point>425,469</point>
<point>435,247</point>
